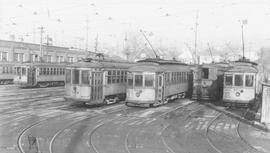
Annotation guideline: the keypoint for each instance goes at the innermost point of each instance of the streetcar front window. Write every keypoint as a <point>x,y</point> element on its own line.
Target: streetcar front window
<point>85,77</point>
<point>138,80</point>
<point>75,76</point>
<point>130,79</point>
<point>228,80</point>
<point>238,80</point>
<point>249,80</point>
<point>68,76</point>
<point>23,71</point>
<point>148,80</point>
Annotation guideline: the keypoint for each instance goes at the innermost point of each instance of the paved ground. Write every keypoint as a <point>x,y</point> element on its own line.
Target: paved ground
<point>39,120</point>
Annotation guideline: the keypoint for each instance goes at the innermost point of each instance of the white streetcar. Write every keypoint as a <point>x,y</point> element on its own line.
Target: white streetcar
<point>154,82</point>
<point>96,81</point>
<point>240,82</point>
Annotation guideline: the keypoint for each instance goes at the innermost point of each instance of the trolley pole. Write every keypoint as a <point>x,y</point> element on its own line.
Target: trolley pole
<point>243,44</point>
<point>86,40</point>
<point>195,43</point>
<point>242,28</point>
<point>41,39</point>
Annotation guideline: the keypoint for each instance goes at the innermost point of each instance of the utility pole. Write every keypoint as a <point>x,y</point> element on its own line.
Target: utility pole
<point>86,40</point>
<point>195,44</point>
<point>41,39</point>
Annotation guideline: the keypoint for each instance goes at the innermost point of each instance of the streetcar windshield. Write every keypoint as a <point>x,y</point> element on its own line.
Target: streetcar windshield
<point>249,80</point>
<point>23,71</point>
<point>148,80</point>
<point>238,80</point>
<point>130,79</point>
<point>138,80</point>
<point>75,76</point>
<point>228,80</point>
<point>85,77</point>
<point>68,76</point>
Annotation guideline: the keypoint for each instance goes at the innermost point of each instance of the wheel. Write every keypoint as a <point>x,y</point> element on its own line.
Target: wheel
<point>43,85</point>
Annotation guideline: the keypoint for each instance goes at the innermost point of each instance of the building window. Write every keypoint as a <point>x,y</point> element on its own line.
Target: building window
<point>18,57</point>
<point>4,56</point>
<point>48,58</point>
<point>60,59</point>
<point>238,80</point>
<point>34,58</point>
<point>70,59</point>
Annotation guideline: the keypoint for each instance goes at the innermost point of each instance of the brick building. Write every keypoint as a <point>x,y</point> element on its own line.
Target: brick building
<point>20,52</point>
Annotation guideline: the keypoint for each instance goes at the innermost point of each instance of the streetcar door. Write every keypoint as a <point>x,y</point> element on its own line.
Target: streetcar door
<point>96,86</point>
<point>160,87</point>
<point>31,76</point>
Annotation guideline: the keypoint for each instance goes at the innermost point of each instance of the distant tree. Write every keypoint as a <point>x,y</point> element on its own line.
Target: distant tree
<point>264,62</point>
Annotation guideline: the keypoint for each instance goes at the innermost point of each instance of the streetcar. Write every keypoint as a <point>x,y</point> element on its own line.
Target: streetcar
<point>96,81</point>
<point>154,82</point>
<point>208,81</point>
<point>39,74</point>
<point>240,82</point>
<point>6,73</point>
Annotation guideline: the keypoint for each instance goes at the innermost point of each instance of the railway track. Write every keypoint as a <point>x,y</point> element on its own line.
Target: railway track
<point>79,119</point>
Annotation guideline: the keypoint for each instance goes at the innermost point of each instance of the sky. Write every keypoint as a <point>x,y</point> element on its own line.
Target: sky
<point>166,22</point>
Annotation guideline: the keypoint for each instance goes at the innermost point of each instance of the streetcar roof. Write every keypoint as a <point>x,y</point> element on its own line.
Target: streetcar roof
<point>161,61</point>
<point>42,64</point>
<point>101,64</point>
<point>243,68</point>
<point>154,67</point>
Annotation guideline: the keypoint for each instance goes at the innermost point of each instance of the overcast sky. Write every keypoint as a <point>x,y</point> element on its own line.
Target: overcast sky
<point>170,22</point>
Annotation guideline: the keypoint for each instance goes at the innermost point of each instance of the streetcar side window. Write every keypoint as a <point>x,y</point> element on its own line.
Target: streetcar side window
<point>118,77</point>
<point>148,80</point>
<point>113,76</point>
<point>122,77</point>
<point>228,80</point>
<point>138,80</point>
<point>125,76</point>
<point>85,77</point>
<point>249,80</point>
<point>130,79</point>
<point>51,71</point>
<point>48,71</point>
<point>68,76</point>
<point>75,76</point>
<point>109,79</point>
<point>238,80</point>
<point>54,71</point>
